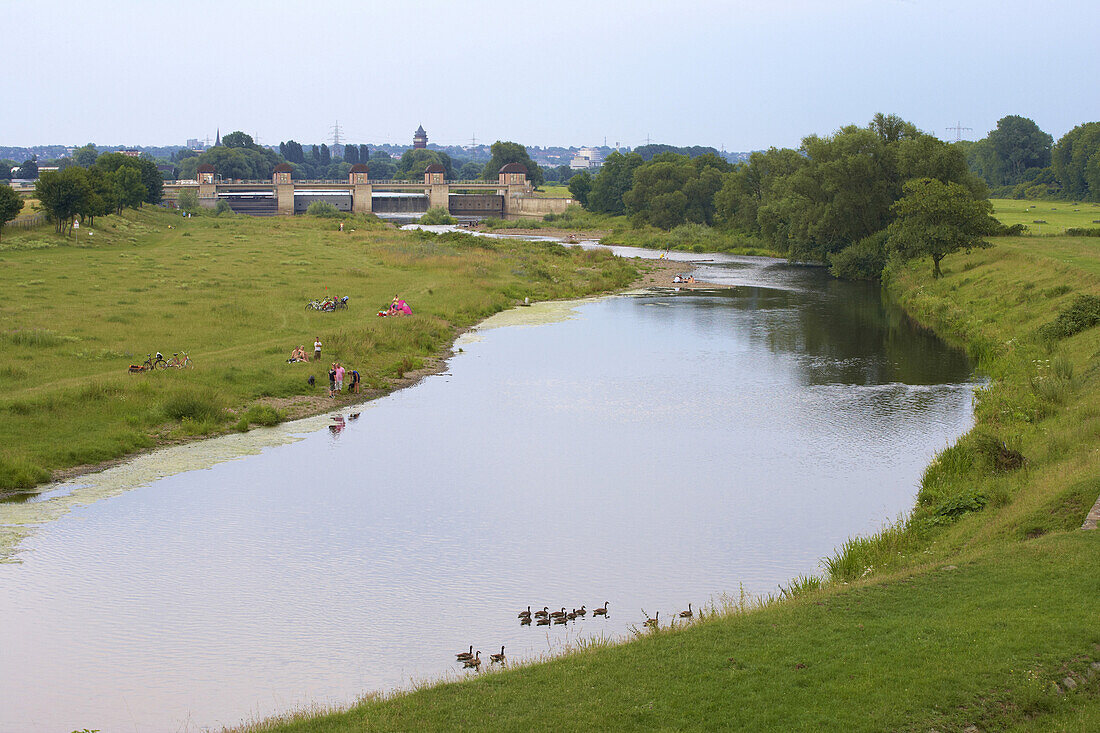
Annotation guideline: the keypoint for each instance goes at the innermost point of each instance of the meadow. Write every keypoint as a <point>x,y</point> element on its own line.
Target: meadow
<point>231,291</point>
<point>1047,217</point>
<point>978,609</point>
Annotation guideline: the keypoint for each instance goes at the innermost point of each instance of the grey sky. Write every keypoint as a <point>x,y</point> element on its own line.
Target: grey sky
<point>745,74</point>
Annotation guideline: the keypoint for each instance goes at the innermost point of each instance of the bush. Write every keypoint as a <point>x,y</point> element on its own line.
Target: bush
<point>1082,313</point>
<point>864,260</point>
<point>197,407</point>
<point>265,415</point>
<point>438,215</point>
<point>189,200</point>
<point>222,207</point>
<point>323,209</point>
<point>1083,232</point>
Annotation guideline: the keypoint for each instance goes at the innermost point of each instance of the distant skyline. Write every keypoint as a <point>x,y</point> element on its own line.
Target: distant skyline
<point>737,75</point>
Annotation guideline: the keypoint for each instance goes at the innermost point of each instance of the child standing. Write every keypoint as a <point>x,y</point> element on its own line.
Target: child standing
<point>339,377</point>
<point>332,380</point>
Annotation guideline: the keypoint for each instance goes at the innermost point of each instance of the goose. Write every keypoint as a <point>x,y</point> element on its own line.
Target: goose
<point>543,613</point>
<point>473,663</point>
<point>558,614</point>
<point>560,620</point>
<point>688,613</point>
<point>543,622</point>
<point>600,611</point>
<point>572,615</point>
<point>463,656</point>
<point>525,614</point>
<point>497,658</point>
<point>525,621</point>
<point>652,622</point>
<point>353,416</point>
<point>581,611</point>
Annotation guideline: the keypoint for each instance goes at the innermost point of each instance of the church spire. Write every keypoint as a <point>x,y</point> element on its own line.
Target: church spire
<point>218,138</point>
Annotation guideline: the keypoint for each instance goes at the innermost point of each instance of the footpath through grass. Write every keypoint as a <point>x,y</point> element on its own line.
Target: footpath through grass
<point>968,613</point>
<point>231,291</point>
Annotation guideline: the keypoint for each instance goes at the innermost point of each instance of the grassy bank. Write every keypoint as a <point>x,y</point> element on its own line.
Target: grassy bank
<point>231,291</point>
<point>1047,217</point>
<point>969,612</point>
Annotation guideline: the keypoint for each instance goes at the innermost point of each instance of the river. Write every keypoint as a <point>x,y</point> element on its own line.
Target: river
<point>648,450</point>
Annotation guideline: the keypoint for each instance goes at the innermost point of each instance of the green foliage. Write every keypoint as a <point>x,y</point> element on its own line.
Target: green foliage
<point>244,160</point>
<point>1076,162</point>
<point>322,209</point>
<point>673,189</point>
<point>1017,145</point>
<point>415,160</point>
<point>223,207</point>
<point>865,260</point>
<point>615,178</point>
<point>1081,231</point>
<point>579,187</point>
<point>198,406</point>
<point>504,153</point>
<point>1082,313</point>
<point>62,195</point>
<point>935,219</point>
<point>149,176</point>
<point>264,415</point>
<point>189,200</point>
<point>18,474</point>
<point>437,215</point>
<point>11,204</point>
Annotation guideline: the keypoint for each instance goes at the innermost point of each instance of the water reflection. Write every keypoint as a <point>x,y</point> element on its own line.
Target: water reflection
<point>653,451</point>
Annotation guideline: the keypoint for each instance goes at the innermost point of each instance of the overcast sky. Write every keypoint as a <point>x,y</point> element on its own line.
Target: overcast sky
<point>742,74</point>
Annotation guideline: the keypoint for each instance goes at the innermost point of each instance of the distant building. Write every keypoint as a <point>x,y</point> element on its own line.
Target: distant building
<point>131,153</point>
<point>420,138</point>
<point>195,144</point>
<point>586,158</point>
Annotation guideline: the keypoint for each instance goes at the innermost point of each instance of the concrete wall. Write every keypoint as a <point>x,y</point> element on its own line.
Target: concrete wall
<point>532,207</point>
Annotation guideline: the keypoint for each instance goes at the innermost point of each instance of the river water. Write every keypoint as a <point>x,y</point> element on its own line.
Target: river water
<point>649,450</point>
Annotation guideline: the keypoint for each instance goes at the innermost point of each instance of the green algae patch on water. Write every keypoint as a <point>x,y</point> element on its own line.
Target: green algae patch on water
<point>537,314</point>
<point>18,520</point>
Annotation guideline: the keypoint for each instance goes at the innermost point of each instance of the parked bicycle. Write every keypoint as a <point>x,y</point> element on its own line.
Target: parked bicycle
<point>181,361</point>
<point>328,304</point>
<point>150,364</point>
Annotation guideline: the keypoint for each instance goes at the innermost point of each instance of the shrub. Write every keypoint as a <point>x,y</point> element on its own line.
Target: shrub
<point>222,207</point>
<point>864,260</point>
<point>322,209</point>
<point>194,406</point>
<point>265,415</point>
<point>1082,313</point>
<point>438,215</point>
<point>1083,232</point>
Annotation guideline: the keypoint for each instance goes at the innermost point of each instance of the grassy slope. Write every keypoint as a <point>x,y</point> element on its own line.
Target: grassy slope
<point>231,291</point>
<point>913,644</point>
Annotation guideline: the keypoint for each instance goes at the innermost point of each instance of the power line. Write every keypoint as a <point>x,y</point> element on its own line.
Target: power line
<point>958,129</point>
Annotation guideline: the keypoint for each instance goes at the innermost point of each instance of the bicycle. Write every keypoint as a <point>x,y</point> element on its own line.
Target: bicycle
<point>181,361</point>
<point>150,363</point>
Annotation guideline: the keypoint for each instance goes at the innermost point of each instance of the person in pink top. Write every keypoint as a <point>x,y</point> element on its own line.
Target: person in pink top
<point>339,376</point>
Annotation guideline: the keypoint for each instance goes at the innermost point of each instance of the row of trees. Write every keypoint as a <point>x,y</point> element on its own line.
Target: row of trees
<point>832,200</point>
<point>1019,160</point>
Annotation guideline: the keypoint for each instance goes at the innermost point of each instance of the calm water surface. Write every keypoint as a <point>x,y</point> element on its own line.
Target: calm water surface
<point>649,451</point>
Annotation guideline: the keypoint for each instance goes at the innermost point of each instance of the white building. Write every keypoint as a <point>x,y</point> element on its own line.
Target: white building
<point>586,158</point>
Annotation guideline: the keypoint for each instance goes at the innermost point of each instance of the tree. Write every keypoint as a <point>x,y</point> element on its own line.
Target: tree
<point>238,139</point>
<point>364,153</point>
<point>936,219</point>
<point>1019,144</point>
<point>351,154</point>
<point>382,167</point>
<point>504,153</point>
<point>189,200</point>
<point>469,171</point>
<point>579,186</point>
<point>128,187</point>
<point>11,204</point>
<point>615,178</point>
<point>1076,162</point>
<point>62,195</point>
<point>415,160</point>
<point>150,177</point>
<point>326,156</point>
<point>29,170</point>
<point>86,155</point>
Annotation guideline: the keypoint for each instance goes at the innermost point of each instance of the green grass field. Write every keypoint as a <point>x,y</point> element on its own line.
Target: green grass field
<point>1057,215</point>
<point>552,190</point>
<point>967,614</point>
<point>231,291</point>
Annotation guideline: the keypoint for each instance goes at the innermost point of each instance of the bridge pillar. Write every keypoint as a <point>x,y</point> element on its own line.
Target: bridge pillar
<point>208,190</point>
<point>284,188</point>
<point>439,196</point>
<point>361,190</point>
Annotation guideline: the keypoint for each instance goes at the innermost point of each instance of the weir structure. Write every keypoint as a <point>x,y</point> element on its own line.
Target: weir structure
<point>510,196</point>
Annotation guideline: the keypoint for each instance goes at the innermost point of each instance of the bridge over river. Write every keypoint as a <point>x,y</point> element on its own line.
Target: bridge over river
<point>510,196</point>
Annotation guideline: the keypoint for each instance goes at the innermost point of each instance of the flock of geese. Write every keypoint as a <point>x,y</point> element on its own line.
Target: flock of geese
<point>472,660</point>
